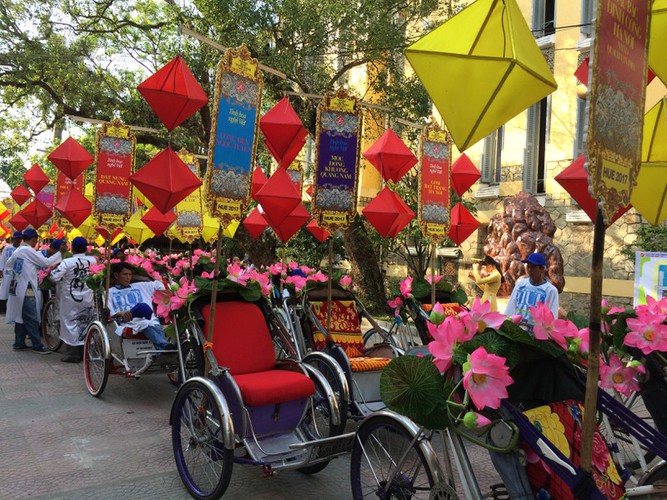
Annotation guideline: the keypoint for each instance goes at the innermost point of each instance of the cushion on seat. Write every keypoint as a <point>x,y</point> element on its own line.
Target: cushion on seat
<point>241,338</point>
<point>345,326</point>
<point>368,364</point>
<point>273,387</point>
<point>128,333</point>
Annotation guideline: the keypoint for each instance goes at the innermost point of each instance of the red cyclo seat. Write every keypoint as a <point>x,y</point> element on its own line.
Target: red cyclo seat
<point>242,342</point>
<point>128,333</point>
<point>273,387</point>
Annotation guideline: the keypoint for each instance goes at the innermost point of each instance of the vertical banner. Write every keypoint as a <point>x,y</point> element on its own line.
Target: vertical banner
<point>339,118</point>
<point>238,91</point>
<point>114,163</point>
<point>189,212</point>
<point>434,183</point>
<point>618,92</point>
<point>295,172</point>
<point>63,185</point>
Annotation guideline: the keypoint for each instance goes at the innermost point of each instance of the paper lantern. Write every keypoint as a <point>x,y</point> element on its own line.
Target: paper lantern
<point>174,93</point>
<point>463,224</point>
<point>255,223</point>
<point>74,206</point>
<point>36,213</point>
<point>320,233</point>
<point>404,217</point>
<point>157,221</point>
<point>231,229</point>
<point>574,180</point>
<point>481,68</point>
<point>391,156</point>
<point>292,223</point>
<point>35,178</point>
<point>278,197</point>
<point>464,174</point>
<point>382,212</point>
<point>658,39</point>
<point>258,181</point>
<point>137,230</point>
<point>165,180</point>
<point>104,233</point>
<point>210,228</point>
<point>582,72</point>
<point>18,221</point>
<point>4,212</point>
<point>284,134</point>
<point>71,158</point>
<point>20,194</point>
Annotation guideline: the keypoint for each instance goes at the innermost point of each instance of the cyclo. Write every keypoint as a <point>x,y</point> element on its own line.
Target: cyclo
<point>250,408</point>
<point>133,355</point>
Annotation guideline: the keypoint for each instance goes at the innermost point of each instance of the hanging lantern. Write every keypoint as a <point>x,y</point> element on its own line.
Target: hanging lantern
<point>173,93</point>
<point>157,221</point>
<point>258,181</point>
<point>319,232</point>
<point>71,158</point>
<point>464,174</point>
<point>284,133</point>
<point>74,206</point>
<point>20,194</point>
<point>382,212</point>
<point>391,156</point>
<point>255,223</point>
<point>18,221</point>
<point>35,178</point>
<point>404,217</point>
<point>463,224</point>
<point>36,213</point>
<point>278,197</point>
<point>292,223</point>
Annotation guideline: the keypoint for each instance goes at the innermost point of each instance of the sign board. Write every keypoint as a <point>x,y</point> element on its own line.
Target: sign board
<point>650,276</point>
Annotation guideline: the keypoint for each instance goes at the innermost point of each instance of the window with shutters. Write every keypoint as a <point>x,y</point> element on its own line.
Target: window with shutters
<point>491,157</point>
<point>587,10</point>
<point>580,131</point>
<point>543,18</point>
<point>536,141</point>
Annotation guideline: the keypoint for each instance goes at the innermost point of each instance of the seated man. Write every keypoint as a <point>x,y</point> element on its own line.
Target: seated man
<point>129,304</point>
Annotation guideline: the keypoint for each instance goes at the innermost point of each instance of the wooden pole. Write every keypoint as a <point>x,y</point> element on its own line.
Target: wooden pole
<point>432,275</point>
<point>107,274</point>
<point>214,293</point>
<point>593,369</point>
<point>329,284</point>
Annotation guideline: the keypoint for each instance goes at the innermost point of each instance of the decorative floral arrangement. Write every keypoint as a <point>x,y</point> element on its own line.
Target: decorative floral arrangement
<point>472,354</point>
<point>419,290</point>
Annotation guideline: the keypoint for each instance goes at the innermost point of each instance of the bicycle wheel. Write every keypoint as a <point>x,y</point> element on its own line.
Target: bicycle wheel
<point>658,473</point>
<point>628,448</point>
<point>51,326</point>
<point>334,375</point>
<point>96,360</point>
<point>203,462</point>
<point>380,442</point>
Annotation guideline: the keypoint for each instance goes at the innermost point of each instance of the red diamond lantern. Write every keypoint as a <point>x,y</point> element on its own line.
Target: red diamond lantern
<point>165,180</point>
<point>258,181</point>
<point>404,217</point>
<point>582,73</point>
<point>320,233</point>
<point>104,233</point>
<point>255,223</point>
<point>74,206</point>
<point>464,174</point>
<point>35,178</point>
<point>174,93</point>
<point>36,213</point>
<point>278,197</point>
<point>391,156</point>
<point>18,221</point>
<point>463,224</point>
<point>574,180</point>
<point>284,134</point>
<point>383,211</point>
<point>292,223</point>
<point>20,194</point>
<point>157,221</point>
<point>71,158</point>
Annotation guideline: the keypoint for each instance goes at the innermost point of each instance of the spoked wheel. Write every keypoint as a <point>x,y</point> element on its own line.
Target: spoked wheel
<point>377,470</point>
<point>628,448</point>
<point>372,337</point>
<point>203,462</point>
<point>51,326</point>
<point>334,375</point>
<point>658,473</point>
<point>96,360</point>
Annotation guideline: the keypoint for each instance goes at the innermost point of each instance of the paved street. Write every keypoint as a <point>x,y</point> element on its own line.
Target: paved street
<point>58,442</point>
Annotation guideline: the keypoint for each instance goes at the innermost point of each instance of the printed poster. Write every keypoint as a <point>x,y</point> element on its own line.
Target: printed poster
<point>434,183</point>
<point>189,218</point>
<point>650,276</point>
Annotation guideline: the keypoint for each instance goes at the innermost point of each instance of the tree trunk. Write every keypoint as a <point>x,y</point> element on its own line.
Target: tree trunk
<point>365,265</point>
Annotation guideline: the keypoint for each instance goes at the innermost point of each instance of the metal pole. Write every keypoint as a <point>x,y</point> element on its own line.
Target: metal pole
<point>329,285</point>
<point>592,372</point>
<point>214,293</point>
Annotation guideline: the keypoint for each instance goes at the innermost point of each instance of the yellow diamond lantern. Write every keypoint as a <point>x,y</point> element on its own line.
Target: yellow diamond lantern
<point>649,196</point>
<point>231,228</point>
<point>481,68</point>
<point>136,229</point>
<point>657,43</point>
<point>210,228</point>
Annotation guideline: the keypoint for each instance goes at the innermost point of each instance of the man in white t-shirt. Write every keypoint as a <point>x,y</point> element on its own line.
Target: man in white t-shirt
<point>530,291</point>
<point>126,296</point>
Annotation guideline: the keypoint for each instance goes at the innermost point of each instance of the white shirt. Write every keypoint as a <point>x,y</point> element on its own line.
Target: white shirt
<point>526,295</point>
<point>124,299</point>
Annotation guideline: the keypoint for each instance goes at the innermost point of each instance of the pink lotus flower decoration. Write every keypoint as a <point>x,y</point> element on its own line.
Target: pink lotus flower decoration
<point>618,376</point>
<point>445,336</point>
<point>345,281</point>
<point>430,278</point>
<point>207,275</point>
<point>261,278</point>
<point>473,420</point>
<point>647,332</point>
<point>278,269</point>
<point>319,276</point>
<point>486,378</point>
<point>237,274</point>
<point>437,315</point>
<point>609,309</point>
<point>481,317</point>
<point>406,287</point>
<point>96,268</point>
<point>299,282</point>
<point>654,306</point>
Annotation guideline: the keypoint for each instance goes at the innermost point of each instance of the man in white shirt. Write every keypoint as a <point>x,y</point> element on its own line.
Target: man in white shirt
<point>126,296</point>
<point>75,299</point>
<point>7,252</point>
<point>530,291</point>
<point>24,302</point>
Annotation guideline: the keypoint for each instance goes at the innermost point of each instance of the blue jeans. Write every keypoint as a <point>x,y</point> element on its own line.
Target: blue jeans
<point>30,325</point>
<point>156,336</point>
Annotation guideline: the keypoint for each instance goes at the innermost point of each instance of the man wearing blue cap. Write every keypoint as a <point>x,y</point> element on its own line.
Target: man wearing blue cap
<point>530,291</point>
<point>25,300</point>
<point>75,299</point>
<point>7,252</point>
